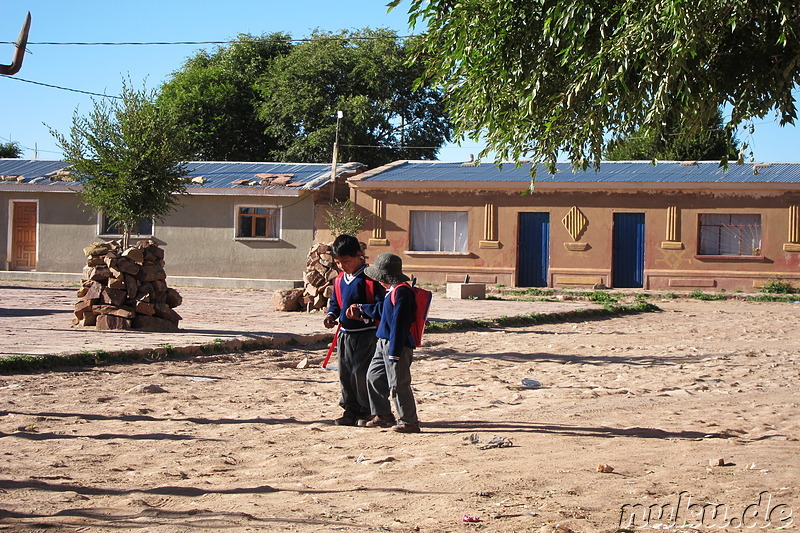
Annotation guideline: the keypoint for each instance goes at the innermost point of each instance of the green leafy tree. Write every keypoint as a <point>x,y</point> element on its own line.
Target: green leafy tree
<point>10,149</point>
<point>129,156</point>
<point>676,143</point>
<point>537,77</point>
<point>213,95</point>
<point>366,75</point>
<point>343,219</point>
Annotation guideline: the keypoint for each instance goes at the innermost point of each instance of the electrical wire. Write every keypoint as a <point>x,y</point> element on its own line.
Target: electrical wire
<point>61,88</point>
<point>202,43</point>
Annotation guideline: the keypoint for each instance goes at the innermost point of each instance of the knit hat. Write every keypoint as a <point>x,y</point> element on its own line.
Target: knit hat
<point>388,268</point>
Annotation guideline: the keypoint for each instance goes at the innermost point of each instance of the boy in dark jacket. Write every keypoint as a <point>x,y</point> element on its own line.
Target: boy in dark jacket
<point>394,350</point>
<point>356,337</point>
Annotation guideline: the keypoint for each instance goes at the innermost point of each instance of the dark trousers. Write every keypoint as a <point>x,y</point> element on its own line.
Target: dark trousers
<point>355,352</point>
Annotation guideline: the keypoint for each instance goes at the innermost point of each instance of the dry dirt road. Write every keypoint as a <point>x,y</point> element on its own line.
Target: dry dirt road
<point>695,408</point>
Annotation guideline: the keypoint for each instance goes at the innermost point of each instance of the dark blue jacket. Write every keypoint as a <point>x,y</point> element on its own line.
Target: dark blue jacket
<point>395,318</point>
<point>354,292</point>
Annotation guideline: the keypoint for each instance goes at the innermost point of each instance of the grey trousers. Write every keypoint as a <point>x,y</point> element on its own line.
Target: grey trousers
<point>391,379</point>
<point>355,351</point>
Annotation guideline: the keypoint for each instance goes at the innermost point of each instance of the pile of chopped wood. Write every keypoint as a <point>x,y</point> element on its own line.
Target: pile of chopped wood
<point>321,270</point>
<point>126,289</point>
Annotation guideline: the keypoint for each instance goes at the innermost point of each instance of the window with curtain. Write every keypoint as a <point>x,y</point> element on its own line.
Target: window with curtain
<point>730,234</point>
<point>439,231</point>
<point>257,222</point>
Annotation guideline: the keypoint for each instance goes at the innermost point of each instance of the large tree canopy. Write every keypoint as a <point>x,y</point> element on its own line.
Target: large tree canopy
<point>536,77</point>
<point>268,98</point>
<point>214,97</point>
<point>676,143</point>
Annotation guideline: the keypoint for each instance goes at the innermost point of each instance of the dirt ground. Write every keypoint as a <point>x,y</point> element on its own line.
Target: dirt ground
<point>693,407</point>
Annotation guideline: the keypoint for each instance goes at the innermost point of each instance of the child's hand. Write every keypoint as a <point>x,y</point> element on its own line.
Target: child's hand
<point>329,321</point>
<point>353,312</point>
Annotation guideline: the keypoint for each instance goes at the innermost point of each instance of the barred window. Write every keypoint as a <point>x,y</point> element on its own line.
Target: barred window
<point>111,227</point>
<point>730,234</point>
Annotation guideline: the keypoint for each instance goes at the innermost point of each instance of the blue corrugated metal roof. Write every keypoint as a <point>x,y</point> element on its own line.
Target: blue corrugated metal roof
<point>215,174</point>
<point>610,171</point>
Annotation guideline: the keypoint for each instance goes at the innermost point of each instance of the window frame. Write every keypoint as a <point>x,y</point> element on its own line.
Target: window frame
<point>237,215</point>
<point>703,254</point>
<point>103,222</point>
<point>455,236</point>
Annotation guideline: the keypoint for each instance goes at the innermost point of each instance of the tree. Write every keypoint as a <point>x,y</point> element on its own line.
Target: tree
<point>129,156</point>
<point>676,143</point>
<point>366,75</point>
<point>214,97</point>
<point>267,98</point>
<point>10,149</point>
<point>535,77</point>
<point>343,219</point>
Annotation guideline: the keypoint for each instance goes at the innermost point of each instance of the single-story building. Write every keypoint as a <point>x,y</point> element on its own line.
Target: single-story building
<point>238,220</point>
<point>673,226</point>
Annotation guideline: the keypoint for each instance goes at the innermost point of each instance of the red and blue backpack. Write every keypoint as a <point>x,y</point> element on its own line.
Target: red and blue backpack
<point>423,299</point>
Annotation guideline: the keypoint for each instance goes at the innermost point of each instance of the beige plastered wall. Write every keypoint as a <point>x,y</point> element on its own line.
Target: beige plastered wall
<point>198,237</point>
<point>585,260</point>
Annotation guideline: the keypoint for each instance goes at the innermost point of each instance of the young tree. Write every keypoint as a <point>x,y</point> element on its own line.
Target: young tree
<point>10,149</point>
<point>535,77</point>
<point>129,156</point>
<point>676,143</point>
<point>214,97</point>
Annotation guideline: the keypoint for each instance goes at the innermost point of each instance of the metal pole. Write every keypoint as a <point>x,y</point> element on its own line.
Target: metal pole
<point>339,116</point>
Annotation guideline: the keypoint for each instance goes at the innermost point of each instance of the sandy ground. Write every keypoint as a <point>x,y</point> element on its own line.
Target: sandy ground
<point>243,441</point>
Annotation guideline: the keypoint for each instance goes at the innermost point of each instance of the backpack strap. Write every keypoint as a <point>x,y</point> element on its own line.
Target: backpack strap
<point>337,289</point>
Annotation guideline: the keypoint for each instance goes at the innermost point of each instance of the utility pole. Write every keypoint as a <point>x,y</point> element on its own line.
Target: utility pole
<point>339,115</point>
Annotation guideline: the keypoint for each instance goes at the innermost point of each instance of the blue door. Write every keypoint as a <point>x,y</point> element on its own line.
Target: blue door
<point>533,249</point>
<point>627,269</point>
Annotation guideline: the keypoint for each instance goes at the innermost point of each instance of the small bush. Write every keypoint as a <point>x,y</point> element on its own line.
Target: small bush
<point>778,286</point>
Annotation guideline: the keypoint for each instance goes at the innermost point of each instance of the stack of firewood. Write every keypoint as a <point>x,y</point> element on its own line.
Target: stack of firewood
<point>126,289</point>
<point>320,272</point>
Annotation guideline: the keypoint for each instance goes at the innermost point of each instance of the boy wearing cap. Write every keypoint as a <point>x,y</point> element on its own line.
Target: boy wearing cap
<point>394,350</point>
<point>356,338</point>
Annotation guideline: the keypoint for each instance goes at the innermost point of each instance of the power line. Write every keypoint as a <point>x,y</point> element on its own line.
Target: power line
<point>229,41</point>
<point>61,88</point>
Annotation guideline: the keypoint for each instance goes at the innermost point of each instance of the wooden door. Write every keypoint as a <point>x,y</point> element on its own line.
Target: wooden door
<point>627,268</point>
<point>23,236</point>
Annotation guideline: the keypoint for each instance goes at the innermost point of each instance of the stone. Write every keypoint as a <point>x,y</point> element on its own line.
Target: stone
<point>89,319</point>
<point>146,389</point>
<point>94,291</point>
<point>114,297</point>
<point>166,312</point>
<point>120,311</point>
<point>127,266</point>
<point>151,273</point>
<point>117,282</point>
<point>144,308</point>
<point>112,322</point>
<point>287,300</point>
<point>97,248</point>
<point>134,254</point>
<point>81,308</point>
<point>95,260</point>
<point>159,285</point>
<point>131,286</point>
<point>605,469</point>
<point>152,323</point>
<point>174,298</point>
<point>99,273</point>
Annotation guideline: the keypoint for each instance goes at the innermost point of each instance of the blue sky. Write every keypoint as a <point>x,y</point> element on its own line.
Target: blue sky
<point>25,107</point>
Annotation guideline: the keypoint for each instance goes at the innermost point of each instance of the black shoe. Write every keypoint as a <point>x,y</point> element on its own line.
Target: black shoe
<point>405,427</point>
<point>345,420</point>
<point>381,421</point>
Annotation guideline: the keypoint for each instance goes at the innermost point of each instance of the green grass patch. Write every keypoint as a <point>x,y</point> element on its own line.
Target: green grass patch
<point>609,309</point>
<point>697,294</point>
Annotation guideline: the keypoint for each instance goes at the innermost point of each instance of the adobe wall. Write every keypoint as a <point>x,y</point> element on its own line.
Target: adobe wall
<point>587,260</point>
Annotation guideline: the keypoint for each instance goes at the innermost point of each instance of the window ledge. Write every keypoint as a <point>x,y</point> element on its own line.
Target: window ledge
<point>418,253</point>
<point>270,239</point>
<point>753,258</point>
<point>119,236</point>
